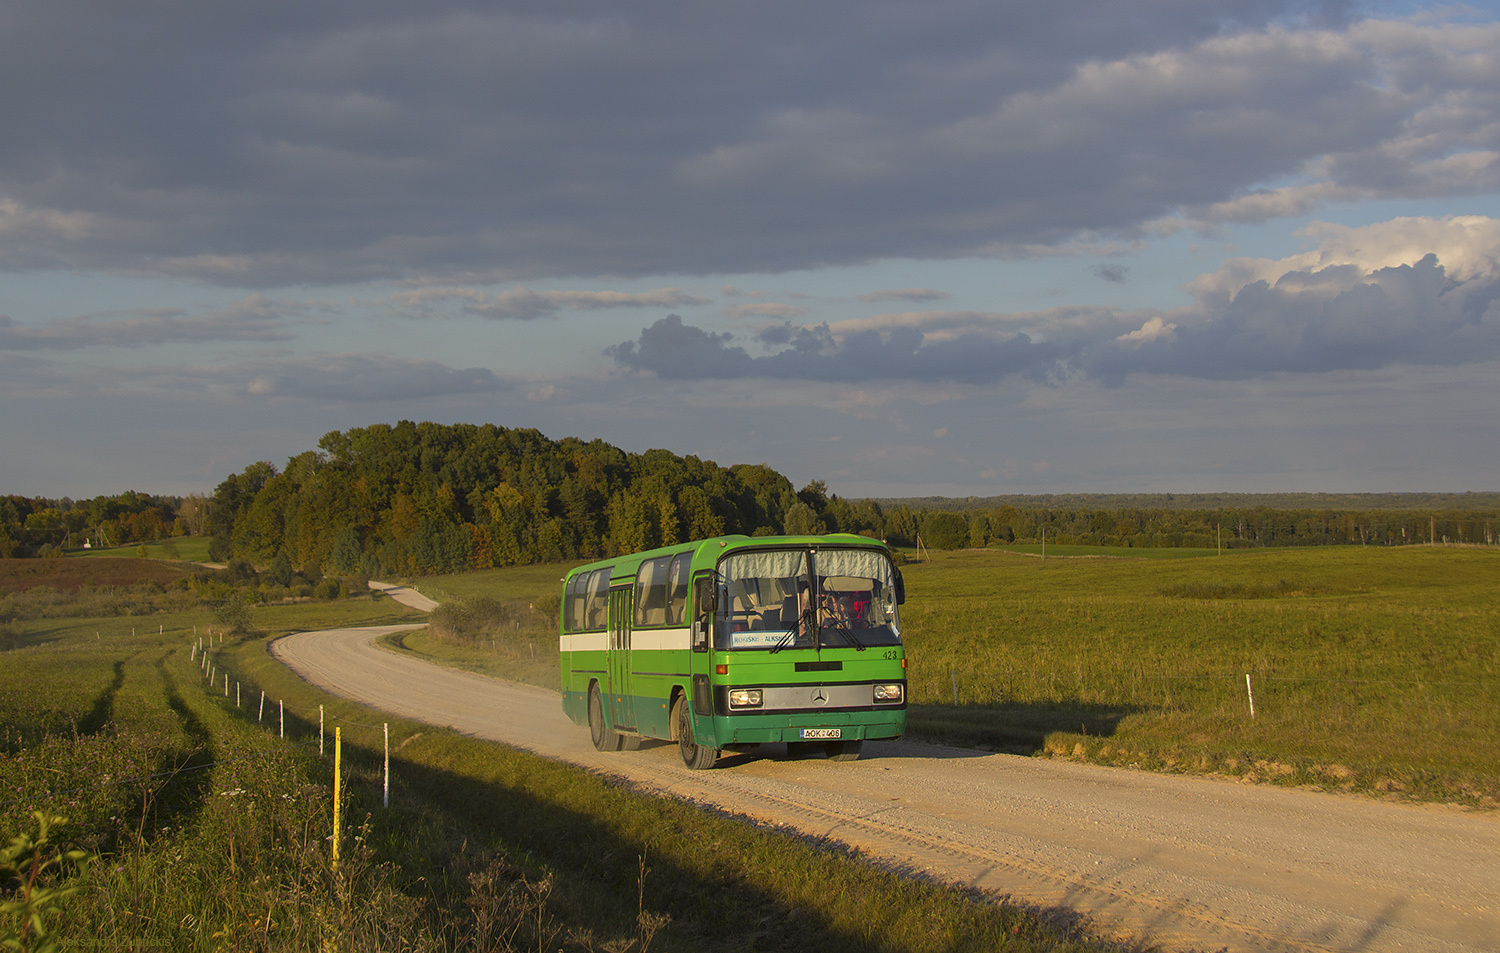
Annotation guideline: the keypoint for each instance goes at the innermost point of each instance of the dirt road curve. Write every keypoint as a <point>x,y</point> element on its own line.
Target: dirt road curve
<point>1183,862</point>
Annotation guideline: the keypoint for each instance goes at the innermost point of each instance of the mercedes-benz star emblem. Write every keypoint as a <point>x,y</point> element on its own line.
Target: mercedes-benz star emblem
<point>818,697</point>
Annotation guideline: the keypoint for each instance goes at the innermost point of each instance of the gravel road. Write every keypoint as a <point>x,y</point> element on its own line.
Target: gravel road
<point>1177,861</point>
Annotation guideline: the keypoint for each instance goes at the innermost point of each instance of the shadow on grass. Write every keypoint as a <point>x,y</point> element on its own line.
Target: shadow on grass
<point>723,886</point>
<point>104,705</point>
<point>1016,729</point>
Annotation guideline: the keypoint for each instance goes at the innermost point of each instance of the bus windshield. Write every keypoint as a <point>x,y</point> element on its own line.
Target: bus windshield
<point>802,598</point>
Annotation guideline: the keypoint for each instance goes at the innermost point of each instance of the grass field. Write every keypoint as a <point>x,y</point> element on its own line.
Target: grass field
<point>1376,669</point>
<point>193,549</point>
<point>1372,669</point>
<point>205,829</point>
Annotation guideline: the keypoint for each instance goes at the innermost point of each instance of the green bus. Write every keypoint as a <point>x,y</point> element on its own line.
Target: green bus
<point>729,643</point>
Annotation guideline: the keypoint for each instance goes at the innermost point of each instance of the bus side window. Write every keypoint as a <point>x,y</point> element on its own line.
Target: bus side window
<point>651,593</point>
<point>598,599</point>
<point>677,589</point>
<point>573,612</point>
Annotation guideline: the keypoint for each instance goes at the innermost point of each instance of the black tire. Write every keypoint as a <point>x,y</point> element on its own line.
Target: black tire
<point>843,750</point>
<point>695,756</point>
<point>631,742</point>
<point>605,738</point>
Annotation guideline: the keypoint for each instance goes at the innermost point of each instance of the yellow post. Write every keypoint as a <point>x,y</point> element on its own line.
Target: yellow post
<point>338,756</point>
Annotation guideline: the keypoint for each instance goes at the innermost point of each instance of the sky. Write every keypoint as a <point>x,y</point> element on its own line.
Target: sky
<point>957,247</point>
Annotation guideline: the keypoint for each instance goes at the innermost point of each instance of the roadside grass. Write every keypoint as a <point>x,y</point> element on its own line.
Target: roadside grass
<point>209,831</point>
<point>1372,669</point>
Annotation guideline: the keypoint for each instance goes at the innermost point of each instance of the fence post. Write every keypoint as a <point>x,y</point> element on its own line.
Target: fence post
<point>283,717</point>
<point>385,799</point>
<point>954,674</point>
<point>338,752</point>
<point>1250,694</point>
<point>320,731</point>
<point>261,715</point>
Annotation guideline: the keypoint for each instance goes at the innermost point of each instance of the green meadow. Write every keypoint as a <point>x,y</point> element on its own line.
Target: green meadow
<point>1375,669</point>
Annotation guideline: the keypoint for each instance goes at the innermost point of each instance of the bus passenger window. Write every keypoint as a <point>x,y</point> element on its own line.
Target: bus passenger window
<point>651,592</point>
<point>677,589</point>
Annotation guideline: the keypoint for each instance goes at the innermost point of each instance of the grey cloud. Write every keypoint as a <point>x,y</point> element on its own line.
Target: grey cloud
<point>254,319</point>
<point>674,351</point>
<point>364,378</point>
<point>524,304</point>
<point>1311,322</point>
<point>366,141</point>
<point>904,294</point>
<point>1112,273</point>
<point>1307,322</point>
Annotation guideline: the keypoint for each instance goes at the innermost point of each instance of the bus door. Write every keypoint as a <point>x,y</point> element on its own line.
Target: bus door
<point>622,694</point>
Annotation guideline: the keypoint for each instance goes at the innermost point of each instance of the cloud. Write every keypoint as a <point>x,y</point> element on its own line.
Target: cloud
<point>1313,313</point>
<point>523,304</point>
<point>361,378</point>
<point>763,310</point>
<point>1115,274</point>
<point>463,144</point>
<point>1308,322</point>
<point>904,294</point>
<point>255,318</point>
<point>674,351</point>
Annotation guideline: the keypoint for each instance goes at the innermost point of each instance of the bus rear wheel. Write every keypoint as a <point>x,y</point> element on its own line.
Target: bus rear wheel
<point>843,750</point>
<point>605,738</point>
<point>695,756</point>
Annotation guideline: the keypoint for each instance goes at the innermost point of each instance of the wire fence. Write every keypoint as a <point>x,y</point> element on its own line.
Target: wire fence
<point>211,673</point>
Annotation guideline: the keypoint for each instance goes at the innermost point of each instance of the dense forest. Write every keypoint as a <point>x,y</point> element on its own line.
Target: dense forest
<point>420,498</point>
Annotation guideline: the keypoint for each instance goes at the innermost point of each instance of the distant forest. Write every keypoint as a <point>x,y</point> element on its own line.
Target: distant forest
<point>423,498</point>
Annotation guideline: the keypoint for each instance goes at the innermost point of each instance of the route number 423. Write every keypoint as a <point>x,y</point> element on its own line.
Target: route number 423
<point>891,654</point>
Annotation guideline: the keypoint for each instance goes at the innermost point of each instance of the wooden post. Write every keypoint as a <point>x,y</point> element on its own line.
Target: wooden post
<point>283,717</point>
<point>385,798</point>
<point>320,731</point>
<point>338,754</point>
<point>1249,693</point>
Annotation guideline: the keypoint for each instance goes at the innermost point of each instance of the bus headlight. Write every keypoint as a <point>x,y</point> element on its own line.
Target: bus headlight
<point>889,694</point>
<point>744,698</point>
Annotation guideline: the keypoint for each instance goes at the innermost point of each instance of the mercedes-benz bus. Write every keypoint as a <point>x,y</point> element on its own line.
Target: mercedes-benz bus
<point>726,644</point>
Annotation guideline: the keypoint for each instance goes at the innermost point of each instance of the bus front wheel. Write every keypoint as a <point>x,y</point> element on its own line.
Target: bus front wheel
<point>694,755</point>
<point>605,738</point>
<point>843,750</point>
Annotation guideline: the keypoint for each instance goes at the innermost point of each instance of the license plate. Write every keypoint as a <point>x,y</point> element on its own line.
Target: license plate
<point>822,734</point>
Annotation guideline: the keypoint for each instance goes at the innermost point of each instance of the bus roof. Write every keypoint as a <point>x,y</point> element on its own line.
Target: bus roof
<point>627,565</point>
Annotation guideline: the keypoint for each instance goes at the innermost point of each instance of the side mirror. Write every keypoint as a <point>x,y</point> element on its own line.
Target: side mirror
<point>705,596</point>
<point>900,589</point>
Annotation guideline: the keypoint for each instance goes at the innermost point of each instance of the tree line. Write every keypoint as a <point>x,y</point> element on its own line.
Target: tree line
<point>36,526</point>
<point>426,498</point>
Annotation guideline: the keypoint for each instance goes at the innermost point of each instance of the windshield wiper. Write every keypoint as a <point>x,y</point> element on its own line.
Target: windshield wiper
<point>841,629</point>
<point>791,636</point>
